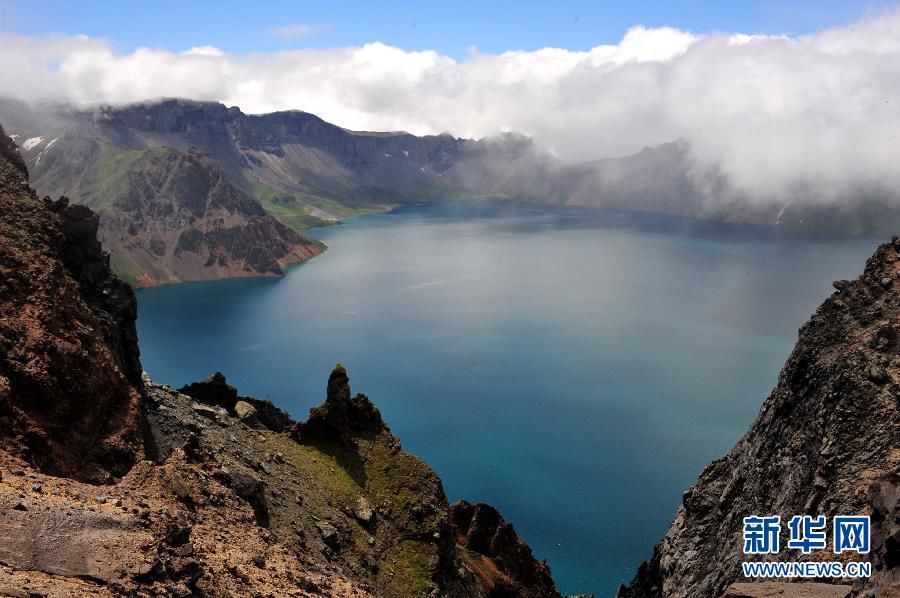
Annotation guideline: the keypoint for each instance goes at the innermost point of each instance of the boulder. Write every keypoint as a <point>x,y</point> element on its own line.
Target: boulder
<point>329,534</point>
<point>207,411</point>
<point>244,411</point>
<point>270,416</point>
<point>363,510</point>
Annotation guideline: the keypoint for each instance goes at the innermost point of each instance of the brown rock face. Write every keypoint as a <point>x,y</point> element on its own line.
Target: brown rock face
<point>826,441</point>
<point>503,564</point>
<point>69,368</point>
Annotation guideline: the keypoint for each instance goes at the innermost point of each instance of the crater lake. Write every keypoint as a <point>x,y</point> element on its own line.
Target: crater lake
<point>576,369</point>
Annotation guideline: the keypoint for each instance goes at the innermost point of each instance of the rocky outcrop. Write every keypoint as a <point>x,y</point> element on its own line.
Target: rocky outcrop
<point>826,441</point>
<point>502,563</point>
<point>111,299</point>
<point>69,369</point>
<point>230,509</point>
<point>338,491</point>
<point>216,391</point>
<point>341,418</point>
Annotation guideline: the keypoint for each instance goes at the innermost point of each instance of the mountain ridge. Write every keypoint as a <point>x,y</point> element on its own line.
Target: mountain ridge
<point>304,171</point>
<point>298,155</point>
<point>173,216</point>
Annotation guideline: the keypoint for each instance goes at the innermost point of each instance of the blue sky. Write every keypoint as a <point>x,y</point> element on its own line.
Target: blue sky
<point>448,27</point>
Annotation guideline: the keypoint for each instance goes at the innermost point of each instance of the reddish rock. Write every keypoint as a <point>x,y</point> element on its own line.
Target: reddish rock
<point>502,563</point>
<point>69,368</point>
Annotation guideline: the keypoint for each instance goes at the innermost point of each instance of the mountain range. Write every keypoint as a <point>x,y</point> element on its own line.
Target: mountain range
<point>196,190</point>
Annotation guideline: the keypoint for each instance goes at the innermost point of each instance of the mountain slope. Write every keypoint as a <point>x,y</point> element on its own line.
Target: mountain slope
<point>168,216</point>
<point>826,441</point>
<point>292,161</point>
<point>305,170</point>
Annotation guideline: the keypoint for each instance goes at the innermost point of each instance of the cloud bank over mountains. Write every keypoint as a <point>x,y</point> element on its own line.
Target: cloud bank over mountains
<point>771,114</point>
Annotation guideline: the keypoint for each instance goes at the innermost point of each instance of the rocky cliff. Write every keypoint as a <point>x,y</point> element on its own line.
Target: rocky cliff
<point>112,485</point>
<point>66,325</point>
<point>826,441</point>
<point>502,563</point>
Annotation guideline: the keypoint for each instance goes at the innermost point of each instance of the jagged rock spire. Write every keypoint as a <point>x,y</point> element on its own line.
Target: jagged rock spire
<point>341,418</point>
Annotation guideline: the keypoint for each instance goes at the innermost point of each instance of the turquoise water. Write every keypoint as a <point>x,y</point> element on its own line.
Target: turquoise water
<point>575,369</point>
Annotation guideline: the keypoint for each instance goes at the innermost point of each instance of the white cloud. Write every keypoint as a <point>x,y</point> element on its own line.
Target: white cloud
<point>297,30</point>
<point>770,112</point>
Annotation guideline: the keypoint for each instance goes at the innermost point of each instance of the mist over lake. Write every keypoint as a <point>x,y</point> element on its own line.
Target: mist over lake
<point>575,369</point>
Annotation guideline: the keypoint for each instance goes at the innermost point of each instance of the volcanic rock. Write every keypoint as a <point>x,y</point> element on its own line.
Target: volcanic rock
<point>66,323</point>
<point>212,391</point>
<point>363,510</point>
<point>826,441</point>
<point>77,410</point>
<point>341,418</point>
<point>244,410</point>
<point>503,564</point>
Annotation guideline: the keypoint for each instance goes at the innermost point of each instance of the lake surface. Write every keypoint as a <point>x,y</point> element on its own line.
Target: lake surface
<point>575,369</point>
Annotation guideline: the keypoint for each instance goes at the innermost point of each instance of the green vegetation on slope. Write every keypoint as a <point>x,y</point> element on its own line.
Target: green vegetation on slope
<point>384,476</point>
<point>288,209</point>
<point>109,179</point>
